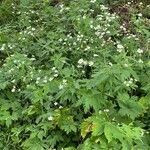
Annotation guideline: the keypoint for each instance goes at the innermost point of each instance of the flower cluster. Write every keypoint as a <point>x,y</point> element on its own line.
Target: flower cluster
<point>55,71</point>
<point>63,84</point>
<point>82,62</point>
<point>130,82</point>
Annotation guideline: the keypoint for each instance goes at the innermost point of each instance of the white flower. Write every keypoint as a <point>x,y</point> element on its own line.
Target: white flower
<point>135,80</point>
<point>130,82</point>
<point>38,78</point>
<point>140,51</point>
<point>125,82</point>
<point>54,68</point>
<point>33,29</point>
<point>2,48</point>
<point>61,86</point>
<point>79,66</point>
<point>140,61</point>
<point>85,62</point>
<point>100,112</point>
<point>15,61</point>
<point>50,79</point>
<point>113,119</point>
<point>140,15</point>
<point>95,55</point>
<point>84,16</point>
<point>55,103</point>
<point>56,71</point>
<point>106,110</point>
<point>45,81</point>
<point>126,65</point>
<point>50,118</point>
<point>108,32</point>
<point>91,26</point>
<point>64,81</point>
<point>60,107</point>
<point>80,61</point>
<point>93,1</point>
<point>13,81</point>
<point>83,71</point>
<point>55,75</point>
<point>119,50</point>
<point>131,79</point>
<point>37,82</point>
<point>119,46</point>
<point>13,89</point>
<point>110,63</point>
<point>91,63</point>
<point>32,59</point>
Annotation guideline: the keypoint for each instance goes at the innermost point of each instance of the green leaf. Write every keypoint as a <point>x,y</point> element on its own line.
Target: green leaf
<point>128,106</point>
<point>108,132</point>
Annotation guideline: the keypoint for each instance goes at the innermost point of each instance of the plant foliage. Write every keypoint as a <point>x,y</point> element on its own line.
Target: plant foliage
<point>74,75</point>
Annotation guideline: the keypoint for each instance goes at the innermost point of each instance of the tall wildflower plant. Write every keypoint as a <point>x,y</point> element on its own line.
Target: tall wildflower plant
<point>74,75</point>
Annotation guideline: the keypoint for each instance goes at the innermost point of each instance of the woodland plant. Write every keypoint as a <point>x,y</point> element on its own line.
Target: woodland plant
<point>74,75</point>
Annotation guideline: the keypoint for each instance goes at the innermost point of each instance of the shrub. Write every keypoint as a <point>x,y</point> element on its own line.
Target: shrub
<point>74,75</point>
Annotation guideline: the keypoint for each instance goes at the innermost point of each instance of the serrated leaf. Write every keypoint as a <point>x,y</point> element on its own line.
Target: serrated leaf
<point>86,127</point>
<point>108,133</point>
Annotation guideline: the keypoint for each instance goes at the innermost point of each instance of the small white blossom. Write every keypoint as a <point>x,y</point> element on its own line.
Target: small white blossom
<point>140,51</point>
<point>83,71</point>
<point>50,118</point>
<point>85,62</point>
<point>15,61</point>
<point>45,81</point>
<point>140,61</point>
<point>91,63</point>
<point>126,65</point>
<point>84,16</point>
<point>37,82</point>
<point>54,68</point>
<point>64,81</point>
<point>110,63</point>
<point>95,55</point>
<point>13,89</point>
<point>113,119</point>
<point>79,66</point>
<point>100,112</point>
<point>13,81</point>
<point>80,61</point>
<point>50,79</point>
<point>55,75</point>
<point>140,15</point>
<point>60,107</point>
<point>33,29</point>
<point>93,1</point>
<point>55,103</point>
<point>61,86</point>
<point>56,71</point>
<point>38,78</point>
<point>130,82</point>
<point>120,47</point>
<point>106,110</point>
<point>32,59</point>
<point>135,80</point>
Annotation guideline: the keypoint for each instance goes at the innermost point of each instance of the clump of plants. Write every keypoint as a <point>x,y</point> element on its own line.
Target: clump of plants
<point>74,75</point>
